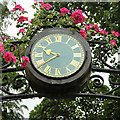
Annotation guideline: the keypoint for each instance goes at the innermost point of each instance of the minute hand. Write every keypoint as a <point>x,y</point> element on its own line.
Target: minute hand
<point>49,60</point>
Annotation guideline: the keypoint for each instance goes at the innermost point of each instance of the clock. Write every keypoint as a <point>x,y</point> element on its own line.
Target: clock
<point>60,61</point>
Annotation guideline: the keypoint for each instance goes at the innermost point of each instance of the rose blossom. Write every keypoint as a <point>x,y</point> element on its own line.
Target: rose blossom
<point>8,56</point>
<point>24,61</point>
<point>113,42</point>
<point>64,10</point>
<point>115,33</point>
<point>83,33</point>
<point>18,7</point>
<point>22,30</point>
<point>1,48</point>
<point>47,6</point>
<point>22,18</point>
<point>103,32</point>
<point>24,64</point>
<point>77,16</point>
<point>4,38</point>
<point>88,27</point>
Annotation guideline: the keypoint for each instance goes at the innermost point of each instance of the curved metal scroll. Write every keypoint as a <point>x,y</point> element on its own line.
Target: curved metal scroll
<point>19,82</point>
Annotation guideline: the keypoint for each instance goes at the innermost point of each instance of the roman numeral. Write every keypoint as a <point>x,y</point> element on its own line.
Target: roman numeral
<point>39,54</point>
<point>58,38</point>
<point>76,54</point>
<point>47,69</point>
<point>75,63</point>
<point>68,70</point>
<point>57,71</point>
<point>68,41</point>
<point>75,46</point>
<point>49,41</point>
<point>40,62</point>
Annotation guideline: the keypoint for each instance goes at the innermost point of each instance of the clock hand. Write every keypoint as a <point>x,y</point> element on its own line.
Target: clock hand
<point>49,59</point>
<point>49,51</point>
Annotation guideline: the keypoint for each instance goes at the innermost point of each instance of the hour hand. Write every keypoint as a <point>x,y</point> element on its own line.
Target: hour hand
<point>49,51</point>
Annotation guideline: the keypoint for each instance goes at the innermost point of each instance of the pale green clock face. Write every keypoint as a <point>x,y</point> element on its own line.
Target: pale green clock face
<point>57,55</point>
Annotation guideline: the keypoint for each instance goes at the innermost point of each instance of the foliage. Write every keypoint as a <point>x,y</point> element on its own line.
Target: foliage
<point>12,110</point>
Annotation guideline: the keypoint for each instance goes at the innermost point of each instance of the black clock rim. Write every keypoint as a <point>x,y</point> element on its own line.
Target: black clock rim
<point>85,66</point>
<point>35,41</point>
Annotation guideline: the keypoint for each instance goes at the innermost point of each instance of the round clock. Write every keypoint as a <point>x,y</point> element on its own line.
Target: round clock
<point>60,61</point>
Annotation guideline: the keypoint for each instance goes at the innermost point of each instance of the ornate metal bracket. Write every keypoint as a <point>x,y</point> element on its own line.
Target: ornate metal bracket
<point>95,83</point>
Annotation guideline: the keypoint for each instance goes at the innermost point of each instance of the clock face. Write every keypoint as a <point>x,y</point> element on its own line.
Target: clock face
<point>57,55</point>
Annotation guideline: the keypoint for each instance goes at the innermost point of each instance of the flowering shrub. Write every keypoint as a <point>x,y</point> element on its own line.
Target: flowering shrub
<point>45,15</point>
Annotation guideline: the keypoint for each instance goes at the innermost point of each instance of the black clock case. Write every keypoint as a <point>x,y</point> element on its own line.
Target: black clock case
<point>59,87</point>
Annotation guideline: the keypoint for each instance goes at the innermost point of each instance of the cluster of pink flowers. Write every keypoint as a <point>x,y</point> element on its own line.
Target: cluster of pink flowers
<point>25,61</point>
<point>77,16</point>
<point>22,30</point>
<point>18,7</point>
<point>82,32</point>
<point>103,32</point>
<point>1,48</point>
<point>64,11</point>
<point>47,6</point>
<point>22,18</point>
<point>97,29</point>
<point>89,27</point>
<point>8,56</point>
<point>115,33</point>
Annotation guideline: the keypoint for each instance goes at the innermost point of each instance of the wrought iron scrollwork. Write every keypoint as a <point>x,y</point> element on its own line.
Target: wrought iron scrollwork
<point>19,82</point>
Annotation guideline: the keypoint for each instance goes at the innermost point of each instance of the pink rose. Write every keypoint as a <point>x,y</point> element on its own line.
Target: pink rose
<point>26,59</point>
<point>18,7</point>
<point>96,26</point>
<point>1,48</point>
<point>88,27</point>
<point>4,38</point>
<point>22,30</point>
<point>64,11</point>
<point>113,42</point>
<point>77,16</point>
<point>24,62</point>
<point>97,29</point>
<point>22,18</point>
<point>9,57</point>
<point>47,6</point>
<point>83,33</point>
<point>103,32</point>
<point>115,33</point>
